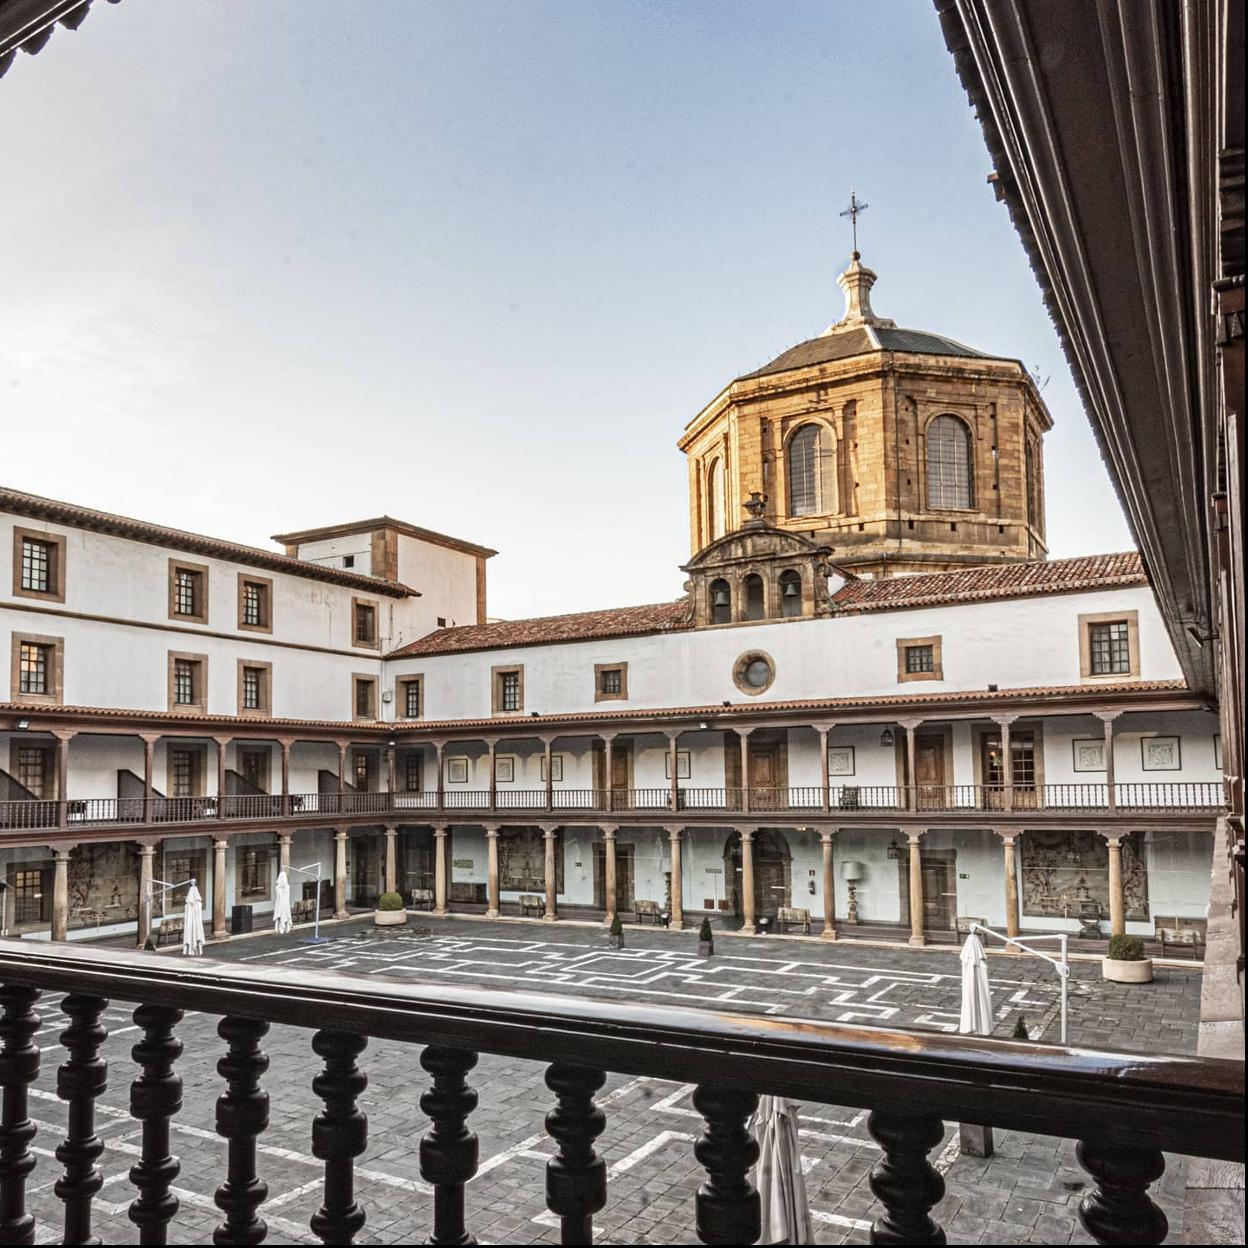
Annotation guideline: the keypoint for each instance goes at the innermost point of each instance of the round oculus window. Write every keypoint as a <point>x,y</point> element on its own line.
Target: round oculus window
<point>754,672</point>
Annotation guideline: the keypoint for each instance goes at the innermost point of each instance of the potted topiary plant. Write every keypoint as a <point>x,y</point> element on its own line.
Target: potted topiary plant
<point>1020,1031</point>
<point>615,933</point>
<point>390,911</point>
<point>706,939</point>
<point>1125,963</point>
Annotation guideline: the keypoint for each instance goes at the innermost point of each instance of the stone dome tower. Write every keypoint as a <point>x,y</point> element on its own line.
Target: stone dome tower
<point>899,450</point>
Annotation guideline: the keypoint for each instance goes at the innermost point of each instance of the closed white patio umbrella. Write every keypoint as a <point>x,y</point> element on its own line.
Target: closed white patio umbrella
<point>193,923</point>
<point>976,1018</point>
<point>781,1184</point>
<point>282,922</point>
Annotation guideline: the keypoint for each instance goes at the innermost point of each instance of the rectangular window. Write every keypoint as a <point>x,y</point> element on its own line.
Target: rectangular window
<point>412,772</point>
<point>255,604</point>
<point>255,688</point>
<point>1111,649</point>
<point>33,769</point>
<point>610,682</point>
<point>252,877</point>
<point>187,681</point>
<point>919,659</point>
<point>182,865</point>
<point>188,592</point>
<point>253,679</point>
<point>508,691</point>
<point>38,565</point>
<point>31,896</point>
<point>185,771</point>
<point>363,623</point>
<point>410,697</point>
<point>34,667</point>
<point>363,771</point>
<point>365,697</point>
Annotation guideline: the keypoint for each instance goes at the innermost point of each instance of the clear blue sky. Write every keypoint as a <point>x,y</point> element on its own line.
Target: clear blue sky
<point>475,265</point>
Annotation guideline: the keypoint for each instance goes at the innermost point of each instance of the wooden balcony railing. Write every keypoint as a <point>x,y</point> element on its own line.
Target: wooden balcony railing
<point>1177,796</point>
<point>1124,1110</point>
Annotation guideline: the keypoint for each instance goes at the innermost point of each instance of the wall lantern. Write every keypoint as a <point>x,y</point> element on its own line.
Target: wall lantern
<point>23,724</point>
<point>894,850</point>
<point>886,738</point>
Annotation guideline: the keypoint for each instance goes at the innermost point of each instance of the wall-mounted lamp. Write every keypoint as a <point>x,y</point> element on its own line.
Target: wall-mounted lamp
<point>894,850</point>
<point>23,724</point>
<point>703,724</point>
<point>886,738</point>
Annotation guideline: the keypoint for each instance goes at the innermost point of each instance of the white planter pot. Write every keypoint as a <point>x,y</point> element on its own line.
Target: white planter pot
<point>389,918</point>
<point>1119,972</point>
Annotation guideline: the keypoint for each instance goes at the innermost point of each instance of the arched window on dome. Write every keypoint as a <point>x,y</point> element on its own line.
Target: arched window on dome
<point>755,599</point>
<point>810,465</point>
<point>949,465</point>
<point>715,515</point>
<point>721,602</point>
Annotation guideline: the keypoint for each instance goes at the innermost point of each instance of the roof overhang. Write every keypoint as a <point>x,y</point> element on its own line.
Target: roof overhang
<point>1102,138</point>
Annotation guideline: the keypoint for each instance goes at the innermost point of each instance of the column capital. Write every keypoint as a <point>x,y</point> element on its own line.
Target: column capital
<point>548,738</point>
<point>340,834</point>
<point>220,844</point>
<point>1004,719</point>
<point>62,851</point>
<point>1008,835</point>
<point>222,741</point>
<point>286,742</point>
<point>673,737</point>
<point>609,830</point>
<point>64,734</point>
<point>747,834</point>
<point>824,726</point>
<point>150,738</point>
<point>284,838</point>
<point>911,724</point>
<point>742,730</point>
<point>442,831</point>
<point>392,829</point>
<point>147,847</point>
<point>1107,717</point>
<point>914,835</point>
<point>674,830</point>
<point>343,745</point>
<point>1113,839</point>
<point>608,736</point>
<point>827,835</point>
<point>549,830</point>
<point>491,830</point>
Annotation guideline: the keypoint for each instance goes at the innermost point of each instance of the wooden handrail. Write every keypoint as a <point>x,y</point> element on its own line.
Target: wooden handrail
<point>1178,1104</point>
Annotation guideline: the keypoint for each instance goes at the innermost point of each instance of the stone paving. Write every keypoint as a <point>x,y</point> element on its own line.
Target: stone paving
<point>1026,1193</point>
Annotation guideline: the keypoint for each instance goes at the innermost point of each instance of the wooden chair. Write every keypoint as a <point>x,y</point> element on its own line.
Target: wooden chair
<point>1174,930</point>
<point>793,914</point>
<point>531,901</point>
<point>422,898</point>
<point>169,931</point>
<point>642,907</point>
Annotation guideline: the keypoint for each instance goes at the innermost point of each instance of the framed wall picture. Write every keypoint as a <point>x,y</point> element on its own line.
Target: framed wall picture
<point>1160,754</point>
<point>457,771</point>
<point>684,765</point>
<point>840,760</point>
<point>1089,753</point>
<point>505,769</point>
<point>556,768</point>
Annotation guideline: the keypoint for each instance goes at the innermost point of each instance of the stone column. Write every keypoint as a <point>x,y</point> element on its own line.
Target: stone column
<point>1007,762</point>
<point>149,766</point>
<point>916,888</point>
<point>1009,840</point>
<point>493,909</point>
<point>608,757</point>
<point>222,746</point>
<point>912,786</point>
<point>439,746</point>
<point>1117,903</point>
<point>673,739</point>
<point>219,846</point>
<point>439,872</point>
<point>285,744</point>
<point>829,884</point>
<point>62,777</point>
<point>678,909</point>
<point>1111,787</point>
<point>342,773</point>
<point>60,891</point>
<point>825,779</point>
<point>743,737</point>
<point>493,774</point>
<point>549,834</point>
<point>608,870</point>
<point>147,858</point>
<point>340,874</point>
<point>390,777</point>
<point>748,920</point>
<point>283,851</point>
<point>548,746</point>
<point>392,865</point>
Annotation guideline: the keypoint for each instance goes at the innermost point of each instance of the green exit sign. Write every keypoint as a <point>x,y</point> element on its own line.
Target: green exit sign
<point>964,875</point>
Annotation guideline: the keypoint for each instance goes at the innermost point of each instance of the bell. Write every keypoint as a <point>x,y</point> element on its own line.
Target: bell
<point>720,599</point>
<point>790,589</point>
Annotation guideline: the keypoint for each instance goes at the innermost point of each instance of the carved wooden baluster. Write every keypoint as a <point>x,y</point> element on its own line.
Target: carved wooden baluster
<point>340,1134</point>
<point>448,1154</point>
<point>242,1114</point>
<point>19,1067</point>
<point>79,1081</point>
<point>1118,1210</point>
<point>576,1177</point>
<point>903,1180</point>
<point>728,1210</point>
<point>154,1098</point>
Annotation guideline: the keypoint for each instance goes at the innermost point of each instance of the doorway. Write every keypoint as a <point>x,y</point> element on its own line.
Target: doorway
<point>415,867</point>
<point>624,877</point>
<point>940,889</point>
<point>618,787</point>
<point>365,871</point>
<point>929,771</point>
<point>773,872</point>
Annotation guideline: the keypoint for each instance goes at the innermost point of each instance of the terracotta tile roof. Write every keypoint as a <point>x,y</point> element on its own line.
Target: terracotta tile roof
<point>71,514</point>
<point>659,617</point>
<point>1006,580</point>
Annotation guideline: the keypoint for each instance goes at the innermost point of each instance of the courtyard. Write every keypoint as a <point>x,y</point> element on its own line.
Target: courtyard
<point>1027,1192</point>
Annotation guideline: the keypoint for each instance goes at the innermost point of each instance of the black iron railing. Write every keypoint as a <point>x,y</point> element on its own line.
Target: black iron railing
<point>1124,1110</point>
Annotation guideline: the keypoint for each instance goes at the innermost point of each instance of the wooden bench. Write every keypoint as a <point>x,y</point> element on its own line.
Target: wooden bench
<point>793,914</point>
<point>1171,930</point>
<point>644,908</point>
<point>531,901</point>
<point>169,930</point>
<point>963,923</point>
<point>303,911</point>
<point>422,898</point>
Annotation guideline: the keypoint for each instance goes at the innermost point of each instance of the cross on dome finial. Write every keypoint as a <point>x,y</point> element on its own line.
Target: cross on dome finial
<point>852,213</point>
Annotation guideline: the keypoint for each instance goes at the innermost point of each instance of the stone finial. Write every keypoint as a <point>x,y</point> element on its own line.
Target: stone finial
<point>856,282</point>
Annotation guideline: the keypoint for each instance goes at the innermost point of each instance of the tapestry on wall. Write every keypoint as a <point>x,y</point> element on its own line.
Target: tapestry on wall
<point>103,884</point>
<point>522,861</point>
<point>1066,874</point>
